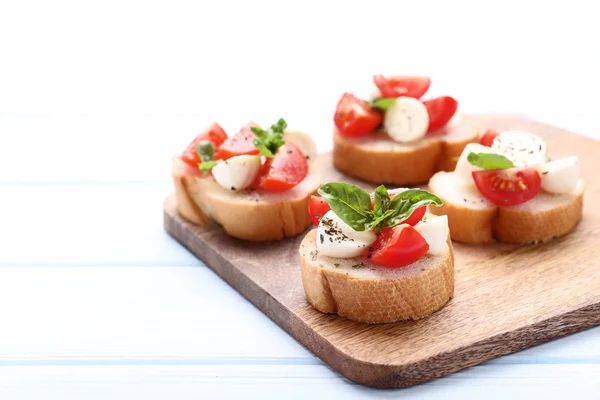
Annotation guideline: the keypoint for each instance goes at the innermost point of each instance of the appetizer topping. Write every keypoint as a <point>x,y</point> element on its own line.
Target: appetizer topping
<point>395,101</point>
<point>335,238</point>
<point>304,142</point>
<point>508,187</point>
<point>463,167</point>
<point>381,216</point>
<point>254,157</point>
<point>398,247</point>
<point>488,137</point>
<point>206,152</point>
<point>237,173</point>
<point>213,134</point>
<point>435,232</point>
<point>317,208</point>
<point>406,120</point>
<point>440,110</point>
<point>405,86</point>
<point>239,144</point>
<point>355,117</point>
<point>285,170</point>
<point>489,161</point>
<point>270,140</point>
<point>524,149</point>
<point>560,176</point>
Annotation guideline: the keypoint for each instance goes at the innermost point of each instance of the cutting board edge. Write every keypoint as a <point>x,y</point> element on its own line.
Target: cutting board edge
<point>371,373</point>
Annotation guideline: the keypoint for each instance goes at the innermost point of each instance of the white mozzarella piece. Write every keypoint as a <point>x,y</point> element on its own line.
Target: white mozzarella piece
<point>304,142</point>
<point>406,120</point>
<point>463,167</point>
<point>560,176</point>
<point>335,238</point>
<point>524,149</point>
<point>434,230</point>
<point>238,172</point>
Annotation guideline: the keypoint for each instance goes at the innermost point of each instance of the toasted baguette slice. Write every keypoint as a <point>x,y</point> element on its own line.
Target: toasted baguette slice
<point>377,158</point>
<point>474,219</point>
<point>254,215</point>
<point>362,291</point>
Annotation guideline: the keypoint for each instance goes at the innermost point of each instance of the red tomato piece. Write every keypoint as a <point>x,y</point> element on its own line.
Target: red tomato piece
<point>414,218</point>
<point>287,169</point>
<point>508,187</point>
<point>398,247</point>
<point>239,144</point>
<point>406,86</point>
<point>355,117</point>
<point>214,134</point>
<point>440,110</point>
<point>488,137</point>
<point>317,207</point>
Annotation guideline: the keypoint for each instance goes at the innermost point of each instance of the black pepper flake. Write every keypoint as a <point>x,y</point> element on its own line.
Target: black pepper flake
<point>360,264</point>
<point>336,265</point>
<point>322,238</point>
<point>465,200</point>
<point>290,151</point>
<point>545,173</point>
<point>233,188</point>
<point>330,239</point>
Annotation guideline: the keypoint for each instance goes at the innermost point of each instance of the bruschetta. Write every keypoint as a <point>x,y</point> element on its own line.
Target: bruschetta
<point>506,188</point>
<point>376,258</point>
<point>396,137</point>
<point>255,184</point>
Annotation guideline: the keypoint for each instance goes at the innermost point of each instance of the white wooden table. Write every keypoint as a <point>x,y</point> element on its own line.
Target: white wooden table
<point>96,301</point>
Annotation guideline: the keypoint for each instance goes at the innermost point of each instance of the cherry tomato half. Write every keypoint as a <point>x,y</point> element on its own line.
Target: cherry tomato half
<point>239,144</point>
<point>407,86</point>
<point>214,134</point>
<point>355,117</point>
<point>398,247</point>
<point>488,137</point>
<point>284,171</point>
<point>440,110</point>
<point>508,187</point>
<point>317,207</point>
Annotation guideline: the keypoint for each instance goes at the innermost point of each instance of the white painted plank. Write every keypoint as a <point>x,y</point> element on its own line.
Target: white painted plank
<point>166,316</point>
<point>289,382</point>
<point>87,225</point>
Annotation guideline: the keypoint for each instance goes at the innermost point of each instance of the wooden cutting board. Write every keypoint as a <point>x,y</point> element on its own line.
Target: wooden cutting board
<point>507,297</point>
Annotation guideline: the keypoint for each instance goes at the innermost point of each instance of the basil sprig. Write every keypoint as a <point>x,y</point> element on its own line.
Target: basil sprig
<point>206,152</point>
<point>353,205</point>
<point>270,140</point>
<point>489,161</point>
<point>383,103</point>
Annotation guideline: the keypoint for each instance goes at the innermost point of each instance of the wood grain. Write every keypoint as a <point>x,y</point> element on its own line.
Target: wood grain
<point>507,297</point>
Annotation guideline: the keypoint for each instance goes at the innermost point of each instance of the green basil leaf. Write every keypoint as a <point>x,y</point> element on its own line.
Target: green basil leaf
<point>383,103</point>
<point>270,140</point>
<point>377,223</point>
<point>382,199</point>
<point>489,161</point>
<point>351,203</point>
<point>405,203</point>
<point>264,150</point>
<point>206,166</point>
<point>205,150</point>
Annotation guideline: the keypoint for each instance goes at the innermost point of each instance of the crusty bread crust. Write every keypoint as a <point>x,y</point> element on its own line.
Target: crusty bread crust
<point>373,294</point>
<point>543,218</point>
<point>377,158</point>
<point>252,216</point>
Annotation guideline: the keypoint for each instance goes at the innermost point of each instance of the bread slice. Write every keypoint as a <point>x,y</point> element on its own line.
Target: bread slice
<point>377,158</point>
<point>474,219</point>
<point>254,215</point>
<point>362,291</point>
